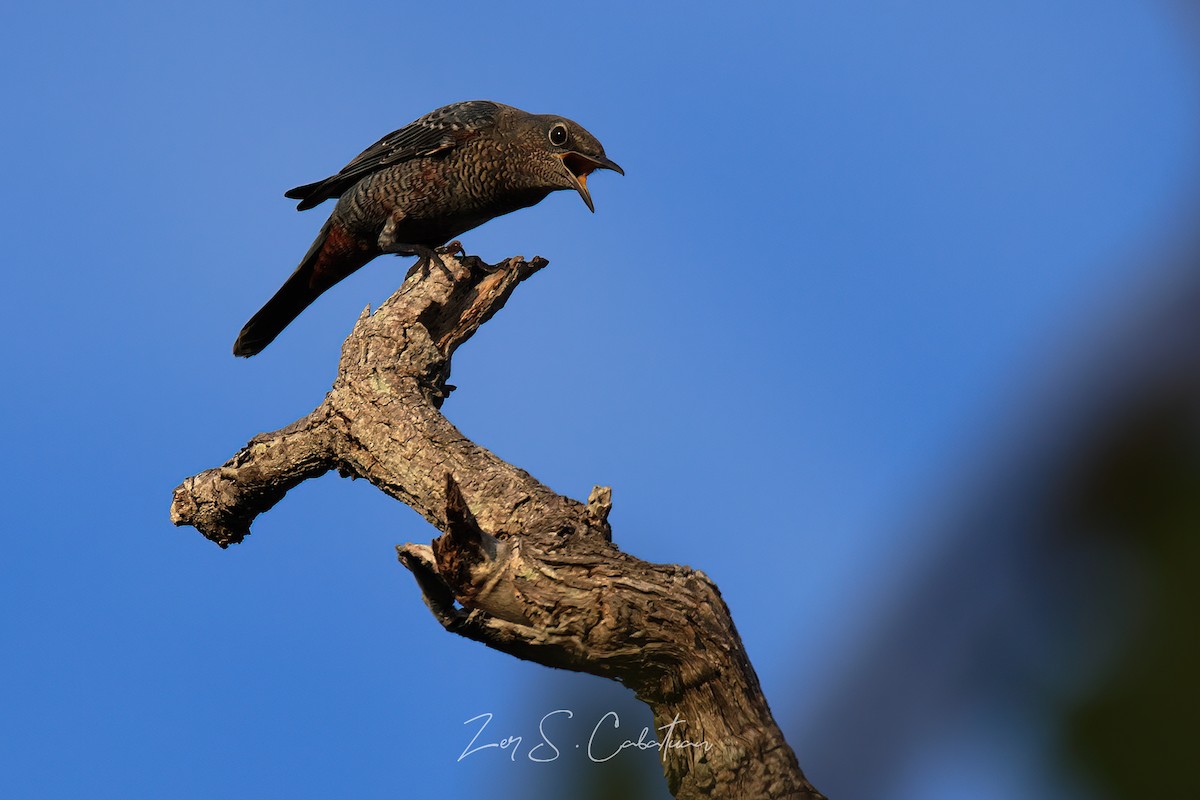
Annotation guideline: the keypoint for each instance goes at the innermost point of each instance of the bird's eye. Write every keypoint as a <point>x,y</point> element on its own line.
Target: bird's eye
<point>558,134</point>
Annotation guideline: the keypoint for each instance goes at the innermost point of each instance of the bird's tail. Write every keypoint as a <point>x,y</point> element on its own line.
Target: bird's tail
<point>314,275</point>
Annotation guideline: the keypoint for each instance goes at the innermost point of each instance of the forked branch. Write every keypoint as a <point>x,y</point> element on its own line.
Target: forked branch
<point>517,567</point>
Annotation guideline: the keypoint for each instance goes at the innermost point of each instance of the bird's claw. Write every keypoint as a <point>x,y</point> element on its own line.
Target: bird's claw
<point>473,263</point>
<point>425,257</point>
<point>430,257</point>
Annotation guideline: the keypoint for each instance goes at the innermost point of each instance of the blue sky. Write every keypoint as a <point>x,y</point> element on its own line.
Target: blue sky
<point>849,237</point>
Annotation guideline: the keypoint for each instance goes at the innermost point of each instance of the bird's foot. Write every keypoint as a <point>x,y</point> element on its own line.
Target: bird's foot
<point>473,263</point>
<point>431,257</point>
<point>426,257</point>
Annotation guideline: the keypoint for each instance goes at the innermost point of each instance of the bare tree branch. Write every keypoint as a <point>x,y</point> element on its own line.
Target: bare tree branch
<point>517,567</point>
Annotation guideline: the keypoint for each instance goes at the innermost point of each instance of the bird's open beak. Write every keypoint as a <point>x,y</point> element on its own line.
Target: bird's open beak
<point>579,166</point>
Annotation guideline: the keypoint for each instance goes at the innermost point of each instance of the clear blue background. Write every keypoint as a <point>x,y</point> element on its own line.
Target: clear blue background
<point>851,238</point>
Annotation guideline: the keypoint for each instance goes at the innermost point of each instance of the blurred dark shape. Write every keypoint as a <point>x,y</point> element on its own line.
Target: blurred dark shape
<point>1139,487</point>
<point>1053,637</point>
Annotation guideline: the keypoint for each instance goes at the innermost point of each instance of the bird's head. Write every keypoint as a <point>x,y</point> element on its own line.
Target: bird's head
<point>565,153</point>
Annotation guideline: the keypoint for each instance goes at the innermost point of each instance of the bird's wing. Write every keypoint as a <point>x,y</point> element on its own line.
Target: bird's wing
<point>436,132</point>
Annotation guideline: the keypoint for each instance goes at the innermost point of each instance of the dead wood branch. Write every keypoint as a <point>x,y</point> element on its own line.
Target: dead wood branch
<point>517,567</point>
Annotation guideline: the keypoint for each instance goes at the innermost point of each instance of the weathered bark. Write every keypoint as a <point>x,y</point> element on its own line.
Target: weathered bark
<point>533,573</point>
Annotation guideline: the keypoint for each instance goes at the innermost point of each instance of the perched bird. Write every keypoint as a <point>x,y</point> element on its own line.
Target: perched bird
<point>416,188</point>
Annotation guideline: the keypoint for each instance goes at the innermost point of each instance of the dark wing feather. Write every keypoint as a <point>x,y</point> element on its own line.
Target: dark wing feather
<point>433,133</point>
